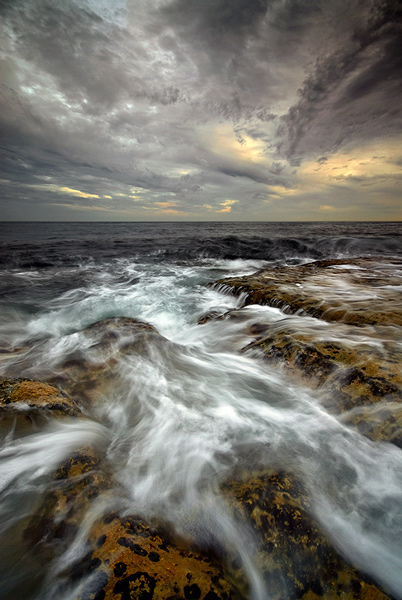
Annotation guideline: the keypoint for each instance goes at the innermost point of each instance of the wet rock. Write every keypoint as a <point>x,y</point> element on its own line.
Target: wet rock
<point>25,403</point>
<point>91,371</point>
<point>132,560</point>
<point>295,557</point>
<point>125,557</point>
<point>357,370</point>
<point>21,394</point>
<point>79,481</point>
<point>356,291</point>
<point>362,384</point>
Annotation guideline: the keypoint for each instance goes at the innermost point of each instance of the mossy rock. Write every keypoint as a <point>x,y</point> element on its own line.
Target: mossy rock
<point>294,554</point>
<point>20,393</point>
<point>125,557</point>
<point>79,480</point>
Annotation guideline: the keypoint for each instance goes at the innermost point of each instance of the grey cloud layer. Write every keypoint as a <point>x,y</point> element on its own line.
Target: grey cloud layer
<point>101,96</point>
<point>355,91</point>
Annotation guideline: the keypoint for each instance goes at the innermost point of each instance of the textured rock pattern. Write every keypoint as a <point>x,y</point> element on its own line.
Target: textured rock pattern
<point>128,559</point>
<point>294,555</point>
<point>25,394</point>
<point>328,289</point>
<point>76,484</point>
<point>133,560</point>
<point>26,405</point>
<point>361,380</point>
<point>363,384</point>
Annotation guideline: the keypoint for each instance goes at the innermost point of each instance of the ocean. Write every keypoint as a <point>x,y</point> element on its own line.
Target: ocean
<point>186,410</point>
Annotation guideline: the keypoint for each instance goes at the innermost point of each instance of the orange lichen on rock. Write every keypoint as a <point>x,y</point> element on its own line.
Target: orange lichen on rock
<point>36,395</point>
<point>133,560</point>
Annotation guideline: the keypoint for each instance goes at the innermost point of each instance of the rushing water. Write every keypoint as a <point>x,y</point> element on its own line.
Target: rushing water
<point>189,410</point>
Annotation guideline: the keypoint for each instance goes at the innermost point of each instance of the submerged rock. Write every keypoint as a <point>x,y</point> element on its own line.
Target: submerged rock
<point>93,369</point>
<point>79,480</point>
<point>124,556</point>
<point>361,383</point>
<point>87,362</point>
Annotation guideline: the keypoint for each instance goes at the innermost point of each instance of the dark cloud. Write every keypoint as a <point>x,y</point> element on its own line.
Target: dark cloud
<point>212,21</point>
<point>194,102</point>
<point>354,93</point>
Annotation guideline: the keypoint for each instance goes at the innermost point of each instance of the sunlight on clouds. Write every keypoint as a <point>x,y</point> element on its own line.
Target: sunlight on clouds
<point>343,182</point>
<point>77,193</point>
<point>166,204</point>
<point>364,164</point>
<point>82,208</point>
<point>165,208</point>
<point>221,140</point>
<point>227,206</point>
<point>52,187</point>
<point>278,191</point>
<point>171,211</point>
<point>326,207</point>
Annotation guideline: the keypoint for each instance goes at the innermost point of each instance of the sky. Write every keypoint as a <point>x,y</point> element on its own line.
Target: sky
<point>201,110</point>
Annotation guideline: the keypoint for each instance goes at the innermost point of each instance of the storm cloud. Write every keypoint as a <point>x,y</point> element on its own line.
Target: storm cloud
<point>200,109</point>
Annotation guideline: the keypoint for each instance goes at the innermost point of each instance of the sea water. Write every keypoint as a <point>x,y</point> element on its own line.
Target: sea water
<point>184,415</point>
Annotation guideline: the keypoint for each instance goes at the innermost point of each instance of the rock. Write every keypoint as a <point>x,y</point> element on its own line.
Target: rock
<point>294,554</point>
<point>125,557</point>
<point>357,369</point>
<point>86,373</point>
<point>21,394</point>
<point>362,384</point>
<point>333,290</point>
<point>131,560</point>
<point>25,403</point>
<point>76,484</point>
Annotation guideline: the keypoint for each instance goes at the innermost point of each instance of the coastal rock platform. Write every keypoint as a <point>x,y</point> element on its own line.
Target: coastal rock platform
<point>340,333</point>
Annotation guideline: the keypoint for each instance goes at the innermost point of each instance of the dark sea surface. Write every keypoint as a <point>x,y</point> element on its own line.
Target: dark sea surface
<point>180,418</point>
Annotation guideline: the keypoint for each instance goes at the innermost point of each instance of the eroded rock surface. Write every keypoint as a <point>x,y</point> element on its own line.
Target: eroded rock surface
<point>125,557</point>
<point>294,554</point>
<point>356,368</point>
<point>133,560</point>
<point>359,291</point>
<point>93,368</point>
<point>362,383</point>
<point>26,394</point>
